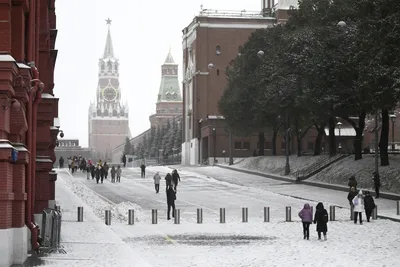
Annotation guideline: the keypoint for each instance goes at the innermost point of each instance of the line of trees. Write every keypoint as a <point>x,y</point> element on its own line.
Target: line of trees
<point>166,138</point>
<point>332,59</point>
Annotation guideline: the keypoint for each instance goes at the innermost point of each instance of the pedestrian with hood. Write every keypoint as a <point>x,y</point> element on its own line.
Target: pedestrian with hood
<point>352,182</point>
<point>119,172</point>
<point>143,170</point>
<point>171,197</point>
<point>377,184</point>
<point>350,198</point>
<point>113,172</point>
<point>105,168</point>
<point>321,219</point>
<point>168,180</point>
<point>157,179</point>
<point>306,218</point>
<point>175,178</point>
<point>97,172</point>
<point>369,205</point>
<point>358,202</point>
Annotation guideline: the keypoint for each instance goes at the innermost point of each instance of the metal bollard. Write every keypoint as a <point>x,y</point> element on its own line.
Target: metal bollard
<point>245,215</point>
<point>266,214</point>
<point>154,216</point>
<point>131,217</point>
<point>80,214</point>
<point>58,208</point>
<point>288,214</point>
<point>375,213</point>
<point>351,213</point>
<point>177,216</point>
<point>222,215</point>
<point>312,212</point>
<point>398,207</point>
<point>332,213</point>
<point>108,217</point>
<point>199,215</point>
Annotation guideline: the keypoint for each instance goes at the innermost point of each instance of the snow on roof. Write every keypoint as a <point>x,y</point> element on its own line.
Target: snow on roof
<point>47,95</point>
<point>7,58</point>
<point>345,131</point>
<point>287,4</point>
<point>6,145</point>
<point>23,66</point>
<point>44,160</point>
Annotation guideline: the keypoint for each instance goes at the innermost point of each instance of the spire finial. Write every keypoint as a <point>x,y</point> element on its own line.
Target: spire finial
<point>108,21</point>
<point>169,51</point>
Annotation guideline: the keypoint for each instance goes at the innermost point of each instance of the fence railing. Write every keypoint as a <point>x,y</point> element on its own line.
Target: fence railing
<point>309,171</point>
<point>51,231</point>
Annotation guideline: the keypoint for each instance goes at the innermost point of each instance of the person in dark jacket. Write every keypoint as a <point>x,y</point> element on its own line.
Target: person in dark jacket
<point>143,170</point>
<point>170,201</point>
<point>175,178</point>
<point>377,184</point>
<point>369,205</point>
<point>61,161</point>
<point>352,194</point>
<point>352,182</point>
<point>321,219</point>
<point>97,173</point>
<point>168,180</point>
<point>102,173</point>
<point>92,170</point>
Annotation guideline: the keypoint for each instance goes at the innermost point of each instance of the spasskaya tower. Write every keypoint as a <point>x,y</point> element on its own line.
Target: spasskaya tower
<point>108,116</point>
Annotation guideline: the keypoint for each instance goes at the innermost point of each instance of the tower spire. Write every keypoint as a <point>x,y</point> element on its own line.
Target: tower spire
<point>109,49</point>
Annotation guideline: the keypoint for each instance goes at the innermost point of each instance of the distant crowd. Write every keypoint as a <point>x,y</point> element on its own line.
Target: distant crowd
<point>98,170</point>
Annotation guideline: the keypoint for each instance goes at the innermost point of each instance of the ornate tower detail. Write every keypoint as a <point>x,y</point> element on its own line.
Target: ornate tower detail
<point>108,116</point>
<point>169,100</point>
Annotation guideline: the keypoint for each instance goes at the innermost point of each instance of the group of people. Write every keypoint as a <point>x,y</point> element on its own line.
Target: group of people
<point>74,163</point>
<point>359,202</point>
<point>100,172</point>
<point>171,182</point>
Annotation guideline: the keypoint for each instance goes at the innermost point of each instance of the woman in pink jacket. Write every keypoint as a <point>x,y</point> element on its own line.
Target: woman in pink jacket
<point>306,217</point>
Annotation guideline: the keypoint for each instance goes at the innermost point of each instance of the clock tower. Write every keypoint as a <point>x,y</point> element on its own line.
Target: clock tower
<point>108,116</point>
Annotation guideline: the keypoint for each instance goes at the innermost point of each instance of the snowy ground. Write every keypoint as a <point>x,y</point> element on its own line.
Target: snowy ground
<point>255,243</point>
<point>337,173</point>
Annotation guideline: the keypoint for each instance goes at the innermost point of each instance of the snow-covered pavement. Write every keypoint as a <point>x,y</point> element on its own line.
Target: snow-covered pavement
<point>87,243</point>
<point>255,243</point>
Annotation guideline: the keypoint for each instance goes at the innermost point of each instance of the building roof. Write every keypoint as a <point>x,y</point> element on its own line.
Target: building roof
<point>169,89</point>
<point>169,59</point>
<point>108,49</point>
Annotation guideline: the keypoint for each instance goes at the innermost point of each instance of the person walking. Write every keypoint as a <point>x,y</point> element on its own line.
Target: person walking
<point>69,163</point>
<point>171,197</point>
<point>157,179</point>
<point>113,172</point>
<point>168,180</point>
<point>119,172</point>
<point>97,173</point>
<point>105,168</point>
<point>369,205</point>
<point>377,184</point>
<point>321,219</point>
<point>175,178</point>
<point>306,218</point>
<point>358,202</point>
<point>350,198</point>
<point>143,170</point>
<point>61,162</point>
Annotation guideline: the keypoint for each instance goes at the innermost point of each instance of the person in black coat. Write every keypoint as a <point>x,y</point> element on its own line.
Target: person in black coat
<point>143,170</point>
<point>175,178</point>
<point>369,205</point>
<point>97,173</point>
<point>352,194</point>
<point>321,219</point>
<point>170,201</point>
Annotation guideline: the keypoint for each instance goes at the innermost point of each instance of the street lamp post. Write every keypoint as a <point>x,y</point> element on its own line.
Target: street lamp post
<point>214,132</point>
<point>173,152</point>
<point>160,151</point>
<point>230,149</point>
<point>393,119</point>
<point>376,144</point>
<point>287,136</point>
<point>223,153</point>
<point>339,125</point>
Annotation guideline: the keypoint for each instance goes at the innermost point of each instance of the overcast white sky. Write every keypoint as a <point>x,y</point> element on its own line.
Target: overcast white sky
<point>142,33</point>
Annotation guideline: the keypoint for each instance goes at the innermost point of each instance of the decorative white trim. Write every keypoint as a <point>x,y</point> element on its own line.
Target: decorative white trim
<point>236,25</point>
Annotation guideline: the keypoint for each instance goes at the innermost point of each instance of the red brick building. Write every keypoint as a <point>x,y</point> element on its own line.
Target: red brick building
<point>28,123</point>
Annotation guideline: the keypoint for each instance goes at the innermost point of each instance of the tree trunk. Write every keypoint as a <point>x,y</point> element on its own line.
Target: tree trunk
<point>359,137</point>
<point>384,140</point>
<point>318,139</point>
<point>332,137</point>
<point>299,146</point>
<point>261,142</point>
<point>274,135</point>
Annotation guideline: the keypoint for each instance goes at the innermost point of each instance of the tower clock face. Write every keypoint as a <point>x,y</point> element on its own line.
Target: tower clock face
<point>109,94</point>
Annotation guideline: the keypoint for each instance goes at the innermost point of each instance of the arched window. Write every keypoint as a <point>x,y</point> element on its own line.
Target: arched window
<point>115,113</point>
<point>122,112</point>
<point>106,112</point>
<point>218,50</point>
<point>99,112</point>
